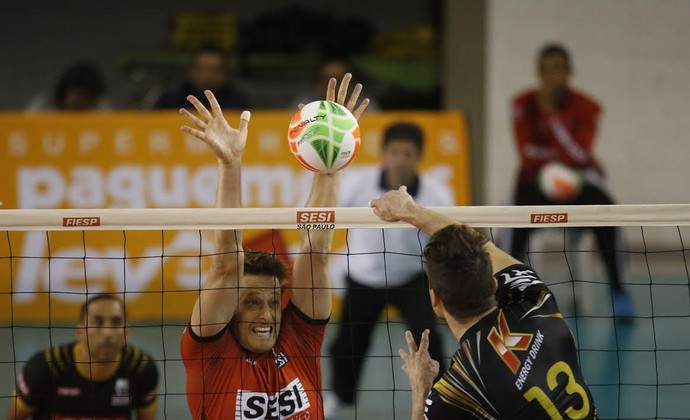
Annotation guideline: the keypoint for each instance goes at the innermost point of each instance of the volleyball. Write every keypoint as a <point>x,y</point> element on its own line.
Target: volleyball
<point>559,183</point>
<point>324,136</point>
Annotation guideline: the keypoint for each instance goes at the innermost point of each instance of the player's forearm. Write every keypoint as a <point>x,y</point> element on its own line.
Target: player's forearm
<point>325,192</point>
<point>418,402</point>
<point>428,221</point>
<point>228,195</point>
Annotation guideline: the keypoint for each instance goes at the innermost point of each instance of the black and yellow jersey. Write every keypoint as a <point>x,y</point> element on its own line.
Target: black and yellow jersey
<point>518,362</point>
<point>52,385</point>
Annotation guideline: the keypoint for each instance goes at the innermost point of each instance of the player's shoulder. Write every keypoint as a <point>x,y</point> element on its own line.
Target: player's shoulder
<point>525,97</point>
<point>57,360</point>
<point>517,277</point>
<point>584,101</point>
<point>137,361</point>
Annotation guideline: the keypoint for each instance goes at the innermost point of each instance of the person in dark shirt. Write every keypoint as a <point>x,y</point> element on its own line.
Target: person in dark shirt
<point>207,71</point>
<point>517,358</point>
<point>98,376</point>
<point>555,127</point>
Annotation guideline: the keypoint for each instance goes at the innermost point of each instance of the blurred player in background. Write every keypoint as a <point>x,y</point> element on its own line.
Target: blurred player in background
<point>517,358</point>
<point>244,355</point>
<point>329,68</point>
<point>555,127</point>
<point>374,279</point>
<point>98,376</point>
<point>208,70</point>
<point>81,88</point>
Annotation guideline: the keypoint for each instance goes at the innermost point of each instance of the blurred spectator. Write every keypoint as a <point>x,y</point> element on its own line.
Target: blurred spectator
<point>207,71</point>
<point>80,88</point>
<point>555,128</point>
<point>330,68</point>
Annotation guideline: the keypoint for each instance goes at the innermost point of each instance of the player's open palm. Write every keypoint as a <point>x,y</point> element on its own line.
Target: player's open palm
<point>227,143</point>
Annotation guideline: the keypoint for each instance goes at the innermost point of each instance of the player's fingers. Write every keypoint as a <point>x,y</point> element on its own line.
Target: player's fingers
<point>244,121</point>
<point>424,342</point>
<point>374,202</point>
<point>215,106</point>
<point>200,108</point>
<point>354,97</point>
<point>193,119</point>
<point>360,109</point>
<point>403,355</point>
<point>330,90</point>
<point>194,132</point>
<point>342,90</point>
<point>411,345</point>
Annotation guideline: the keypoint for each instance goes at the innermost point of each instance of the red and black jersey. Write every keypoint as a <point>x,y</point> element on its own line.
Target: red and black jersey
<point>224,381</point>
<point>565,136</point>
<point>51,383</point>
<point>518,362</point>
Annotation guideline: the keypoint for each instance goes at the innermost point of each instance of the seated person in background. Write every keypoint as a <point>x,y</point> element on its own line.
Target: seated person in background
<point>80,88</point>
<point>517,357</point>
<point>333,68</point>
<point>244,355</point>
<point>98,376</point>
<point>555,127</point>
<point>208,70</point>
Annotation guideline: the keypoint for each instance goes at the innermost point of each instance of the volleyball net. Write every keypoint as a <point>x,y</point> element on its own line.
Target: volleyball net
<point>157,260</point>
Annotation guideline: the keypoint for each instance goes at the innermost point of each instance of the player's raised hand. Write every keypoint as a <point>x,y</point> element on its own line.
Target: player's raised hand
<point>341,95</point>
<point>419,367</point>
<point>393,205</point>
<point>227,143</point>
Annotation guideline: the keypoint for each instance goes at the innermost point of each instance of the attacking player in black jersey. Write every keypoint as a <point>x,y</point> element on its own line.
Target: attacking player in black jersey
<point>99,376</point>
<point>517,357</point>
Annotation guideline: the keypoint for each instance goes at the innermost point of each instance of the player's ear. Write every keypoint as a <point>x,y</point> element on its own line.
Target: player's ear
<point>81,330</point>
<point>494,285</point>
<point>436,304</point>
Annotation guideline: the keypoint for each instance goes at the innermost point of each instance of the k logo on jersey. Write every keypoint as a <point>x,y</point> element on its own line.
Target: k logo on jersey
<point>505,342</point>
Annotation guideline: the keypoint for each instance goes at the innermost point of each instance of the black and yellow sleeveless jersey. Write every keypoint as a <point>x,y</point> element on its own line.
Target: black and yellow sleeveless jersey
<point>52,385</point>
<point>518,362</point>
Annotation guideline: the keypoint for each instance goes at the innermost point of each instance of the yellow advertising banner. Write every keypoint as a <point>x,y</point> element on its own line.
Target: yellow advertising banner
<point>143,160</point>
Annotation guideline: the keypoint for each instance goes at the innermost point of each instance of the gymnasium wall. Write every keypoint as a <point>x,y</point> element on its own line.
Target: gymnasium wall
<point>633,55</point>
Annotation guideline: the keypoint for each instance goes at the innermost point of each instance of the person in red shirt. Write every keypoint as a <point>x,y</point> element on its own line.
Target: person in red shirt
<point>244,356</point>
<point>555,127</point>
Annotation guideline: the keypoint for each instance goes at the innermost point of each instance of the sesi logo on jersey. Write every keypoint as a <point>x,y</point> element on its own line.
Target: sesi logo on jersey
<point>282,405</point>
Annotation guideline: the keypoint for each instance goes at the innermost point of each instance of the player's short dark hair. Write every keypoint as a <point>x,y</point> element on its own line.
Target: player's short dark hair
<point>553,49</point>
<point>208,49</point>
<point>97,298</point>
<point>459,270</point>
<point>404,131</point>
<point>82,75</point>
<point>264,263</point>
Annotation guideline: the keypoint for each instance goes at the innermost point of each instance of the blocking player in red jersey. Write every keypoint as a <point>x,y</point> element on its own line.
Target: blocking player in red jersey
<point>557,124</point>
<point>244,356</point>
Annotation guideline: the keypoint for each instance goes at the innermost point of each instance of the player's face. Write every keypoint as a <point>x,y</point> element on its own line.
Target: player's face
<point>554,73</point>
<point>208,71</point>
<point>256,323</point>
<point>400,160</point>
<point>103,331</point>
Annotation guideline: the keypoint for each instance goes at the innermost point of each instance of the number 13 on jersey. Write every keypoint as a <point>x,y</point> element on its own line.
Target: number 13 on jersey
<point>571,388</point>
